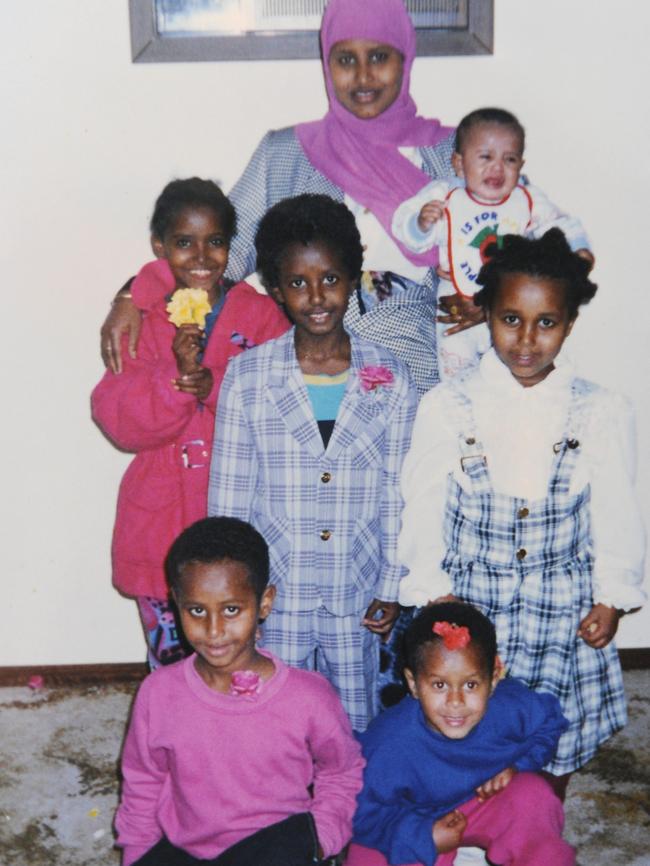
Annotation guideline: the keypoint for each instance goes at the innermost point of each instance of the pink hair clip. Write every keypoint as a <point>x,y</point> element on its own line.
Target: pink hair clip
<point>453,636</point>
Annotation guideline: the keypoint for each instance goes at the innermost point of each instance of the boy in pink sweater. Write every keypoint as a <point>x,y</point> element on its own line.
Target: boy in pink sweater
<point>232,757</point>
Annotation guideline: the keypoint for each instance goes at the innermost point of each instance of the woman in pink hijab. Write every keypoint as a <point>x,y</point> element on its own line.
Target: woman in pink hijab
<point>372,151</point>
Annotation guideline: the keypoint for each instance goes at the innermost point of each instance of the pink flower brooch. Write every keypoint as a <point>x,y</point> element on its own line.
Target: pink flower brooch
<point>453,636</point>
<point>374,378</point>
<point>245,684</point>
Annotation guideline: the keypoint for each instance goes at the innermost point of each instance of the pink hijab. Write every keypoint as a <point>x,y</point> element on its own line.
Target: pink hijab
<point>361,156</point>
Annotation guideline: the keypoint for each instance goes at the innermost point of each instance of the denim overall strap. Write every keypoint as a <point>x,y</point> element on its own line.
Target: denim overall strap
<point>568,448</point>
<point>473,461</point>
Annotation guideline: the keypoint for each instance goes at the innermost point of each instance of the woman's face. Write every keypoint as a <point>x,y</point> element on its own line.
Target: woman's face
<point>366,76</point>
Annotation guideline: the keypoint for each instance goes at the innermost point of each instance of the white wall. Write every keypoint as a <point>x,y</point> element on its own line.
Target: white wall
<point>88,141</point>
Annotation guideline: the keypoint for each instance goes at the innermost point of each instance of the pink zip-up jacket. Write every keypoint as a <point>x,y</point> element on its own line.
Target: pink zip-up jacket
<point>164,488</point>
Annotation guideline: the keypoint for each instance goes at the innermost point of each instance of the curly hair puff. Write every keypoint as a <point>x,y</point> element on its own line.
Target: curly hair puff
<point>307,219</point>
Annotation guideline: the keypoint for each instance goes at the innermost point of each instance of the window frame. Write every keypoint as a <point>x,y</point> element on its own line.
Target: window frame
<point>149,46</point>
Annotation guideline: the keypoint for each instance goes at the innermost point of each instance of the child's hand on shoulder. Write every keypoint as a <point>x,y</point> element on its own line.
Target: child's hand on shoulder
<point>186,348</point>
<point>599,626</point>
<point>448,831</point>
<point>495,784</point>
<point>430,214</point>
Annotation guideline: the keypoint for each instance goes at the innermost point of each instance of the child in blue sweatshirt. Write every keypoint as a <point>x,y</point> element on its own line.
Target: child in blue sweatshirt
<point>454,763</point>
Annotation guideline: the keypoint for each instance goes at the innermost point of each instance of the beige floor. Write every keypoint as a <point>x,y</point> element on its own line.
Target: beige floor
<point>58,780</point>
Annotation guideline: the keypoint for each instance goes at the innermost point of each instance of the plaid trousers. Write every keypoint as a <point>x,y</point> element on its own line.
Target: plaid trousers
<point>339,647</point>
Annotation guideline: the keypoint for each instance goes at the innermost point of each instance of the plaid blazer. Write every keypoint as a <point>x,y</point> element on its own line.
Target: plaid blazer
<point>330,516</point>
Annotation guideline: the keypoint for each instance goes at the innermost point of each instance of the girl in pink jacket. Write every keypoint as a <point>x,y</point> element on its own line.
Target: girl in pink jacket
<point>162,404</point>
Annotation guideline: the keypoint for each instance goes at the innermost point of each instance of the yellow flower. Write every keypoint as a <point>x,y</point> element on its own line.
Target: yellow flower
<point>189,307</point>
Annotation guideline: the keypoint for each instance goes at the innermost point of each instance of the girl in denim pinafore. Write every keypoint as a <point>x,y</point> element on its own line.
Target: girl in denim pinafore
<point>537,524</point>
<point>528,565</point>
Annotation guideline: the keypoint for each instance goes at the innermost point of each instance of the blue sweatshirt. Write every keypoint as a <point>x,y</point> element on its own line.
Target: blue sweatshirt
<point>415,775</point>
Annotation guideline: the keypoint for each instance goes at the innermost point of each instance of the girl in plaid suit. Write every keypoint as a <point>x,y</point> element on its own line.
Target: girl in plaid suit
<point>519,496</point>
<point>312,429</point>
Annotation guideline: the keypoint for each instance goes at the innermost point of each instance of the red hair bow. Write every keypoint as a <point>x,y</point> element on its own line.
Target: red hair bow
<point>453,636</point>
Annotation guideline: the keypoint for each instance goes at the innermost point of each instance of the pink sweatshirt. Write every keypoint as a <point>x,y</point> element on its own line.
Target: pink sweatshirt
<point>165,487</point>
<point>207,769</point>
